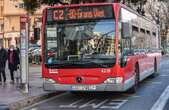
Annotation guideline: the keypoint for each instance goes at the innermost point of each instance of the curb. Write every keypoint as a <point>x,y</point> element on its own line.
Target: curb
<point>31,100</point>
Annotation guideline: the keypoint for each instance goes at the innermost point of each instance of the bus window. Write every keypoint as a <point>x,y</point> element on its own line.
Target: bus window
<point>51,49</point>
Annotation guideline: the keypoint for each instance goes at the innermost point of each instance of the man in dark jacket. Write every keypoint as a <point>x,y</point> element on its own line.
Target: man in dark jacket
<point>13,61</point>
<point>3,59</point>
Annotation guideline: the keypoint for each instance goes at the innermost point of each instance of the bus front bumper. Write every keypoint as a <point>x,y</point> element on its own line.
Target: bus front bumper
<point>48,86</point>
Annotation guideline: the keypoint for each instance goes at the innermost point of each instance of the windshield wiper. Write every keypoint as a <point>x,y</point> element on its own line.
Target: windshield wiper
<point>95,63</point>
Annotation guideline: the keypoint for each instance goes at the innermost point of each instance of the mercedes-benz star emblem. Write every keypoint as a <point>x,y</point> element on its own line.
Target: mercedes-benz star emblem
<point>78,79</point>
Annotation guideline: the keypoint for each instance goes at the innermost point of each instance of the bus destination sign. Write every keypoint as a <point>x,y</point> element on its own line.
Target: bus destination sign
<point>80,13</point>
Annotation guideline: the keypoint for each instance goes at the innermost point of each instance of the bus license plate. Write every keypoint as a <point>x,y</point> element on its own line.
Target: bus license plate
<point>83,88</point>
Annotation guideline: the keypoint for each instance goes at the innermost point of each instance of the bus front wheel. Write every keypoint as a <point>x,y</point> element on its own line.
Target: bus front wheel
<point>133,89</point>
<point>155,73</point>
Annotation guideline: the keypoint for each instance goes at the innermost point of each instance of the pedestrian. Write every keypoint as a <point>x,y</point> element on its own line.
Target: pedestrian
<point>17,49</point>
<point>13,62</point>
<point>3,59</point>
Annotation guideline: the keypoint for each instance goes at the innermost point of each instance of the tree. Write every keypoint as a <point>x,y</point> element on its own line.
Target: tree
<point>31,5</point>
<point>159,13</point>
<point>164,21</point>
<point>51,2</point>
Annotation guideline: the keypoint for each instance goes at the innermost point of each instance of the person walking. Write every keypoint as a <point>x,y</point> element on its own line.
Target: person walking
<point>17,49</point>
<point>3,59</point>
<point>13,62</point>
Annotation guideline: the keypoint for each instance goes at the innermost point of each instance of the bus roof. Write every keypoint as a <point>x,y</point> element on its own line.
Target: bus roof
<point>78,5</point>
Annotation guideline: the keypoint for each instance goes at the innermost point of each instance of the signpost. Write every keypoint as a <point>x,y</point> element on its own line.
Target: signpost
<point>24,35</point>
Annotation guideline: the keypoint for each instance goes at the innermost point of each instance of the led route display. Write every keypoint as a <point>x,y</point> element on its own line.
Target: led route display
<point>80,13</point>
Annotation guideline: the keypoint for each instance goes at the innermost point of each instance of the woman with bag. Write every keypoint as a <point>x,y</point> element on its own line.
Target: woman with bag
<point>13,62</point>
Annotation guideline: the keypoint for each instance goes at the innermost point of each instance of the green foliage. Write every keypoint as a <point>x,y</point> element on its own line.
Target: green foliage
<point>31,5</point>
<point>50,2</point>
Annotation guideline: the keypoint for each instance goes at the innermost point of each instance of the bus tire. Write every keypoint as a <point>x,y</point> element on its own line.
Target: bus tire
<point>155,73</point>
<point>133,89</point>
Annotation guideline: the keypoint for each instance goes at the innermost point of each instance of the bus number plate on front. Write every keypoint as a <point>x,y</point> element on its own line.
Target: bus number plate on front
<point>84,87</point>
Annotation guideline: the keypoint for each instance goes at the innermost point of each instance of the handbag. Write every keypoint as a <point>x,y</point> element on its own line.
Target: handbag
<point>17,76</point>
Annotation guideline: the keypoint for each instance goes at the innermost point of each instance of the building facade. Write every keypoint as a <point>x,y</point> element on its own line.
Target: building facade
<point>1,20</point>
<point>10,13</point>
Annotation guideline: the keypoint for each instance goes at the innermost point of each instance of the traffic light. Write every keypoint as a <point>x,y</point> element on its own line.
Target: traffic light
<point>36,33</point>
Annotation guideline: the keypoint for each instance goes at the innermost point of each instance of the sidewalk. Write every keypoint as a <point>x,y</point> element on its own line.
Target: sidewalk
<point>10,95</point>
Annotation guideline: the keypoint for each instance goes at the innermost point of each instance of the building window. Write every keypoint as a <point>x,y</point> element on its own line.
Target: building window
<point>1,12</point>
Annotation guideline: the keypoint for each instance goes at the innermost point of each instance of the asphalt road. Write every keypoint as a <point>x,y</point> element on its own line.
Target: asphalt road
<point>148,93</point>
<point>167,106</point>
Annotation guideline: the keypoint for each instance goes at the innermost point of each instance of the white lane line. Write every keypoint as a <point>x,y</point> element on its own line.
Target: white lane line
<point>165,75</point>
<point>114,104</point>
<point>161,102</point>
<point>44,101</point>
<point>88,104</point>
<point>153,82</point>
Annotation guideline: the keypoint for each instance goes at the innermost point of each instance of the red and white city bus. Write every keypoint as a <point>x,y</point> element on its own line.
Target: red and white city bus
<point>97,47</point>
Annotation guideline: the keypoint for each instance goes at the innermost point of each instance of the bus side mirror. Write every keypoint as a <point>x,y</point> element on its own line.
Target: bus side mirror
<point>126,30</point>
<point>123,61</point>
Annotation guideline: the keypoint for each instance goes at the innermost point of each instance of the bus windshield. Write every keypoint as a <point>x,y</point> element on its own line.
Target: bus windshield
<point>78,45</point>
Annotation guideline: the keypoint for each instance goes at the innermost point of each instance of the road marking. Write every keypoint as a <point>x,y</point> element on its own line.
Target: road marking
<point>156,82</point>
<point>153,82</point>
<point>93,105</point>
<point>73,105</point>
<point>101,103</point>
<point>164,71</point>
<point>161,102</point>
<point>44,101</point>
<point>114,104</point>
<point>165,75</point>
<point>88,104</point>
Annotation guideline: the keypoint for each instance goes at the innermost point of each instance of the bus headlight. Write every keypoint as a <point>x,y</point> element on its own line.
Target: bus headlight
<point>110,81</point>
<point>117,80</point>
<point>49,80</point>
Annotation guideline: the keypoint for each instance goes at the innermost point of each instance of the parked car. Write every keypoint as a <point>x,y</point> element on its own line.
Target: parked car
<point>52,52</point>
<point>34,53</point>
<point>37,56</point>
